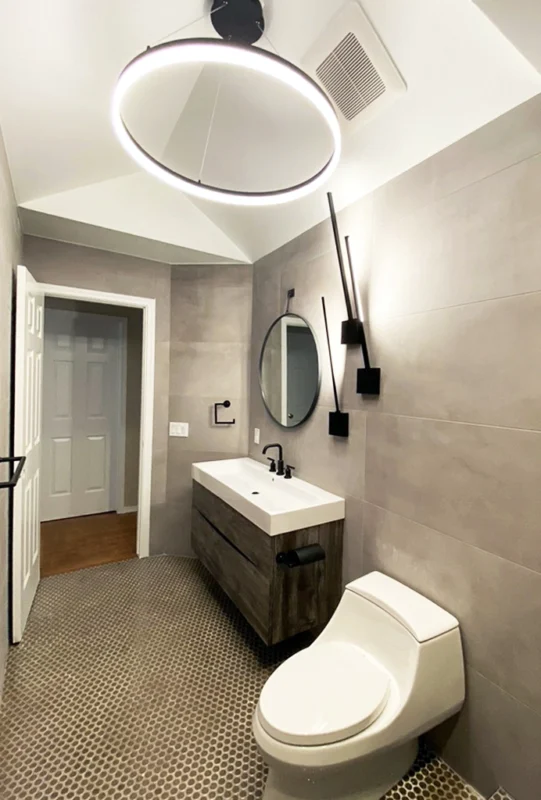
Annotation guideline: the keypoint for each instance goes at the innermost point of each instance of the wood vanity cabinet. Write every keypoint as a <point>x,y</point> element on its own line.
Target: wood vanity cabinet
<point>277,601</point>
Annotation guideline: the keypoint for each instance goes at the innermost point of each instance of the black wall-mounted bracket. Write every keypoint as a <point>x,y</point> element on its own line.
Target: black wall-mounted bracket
<point>338,420</point>
<point>290,296</point>
<point>225,404</point>
<point>369,381</point>
<point>12,483</point>
<point>368,378</point>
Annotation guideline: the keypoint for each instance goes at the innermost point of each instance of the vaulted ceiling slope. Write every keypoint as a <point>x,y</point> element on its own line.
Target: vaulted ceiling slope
<point>59,61</point>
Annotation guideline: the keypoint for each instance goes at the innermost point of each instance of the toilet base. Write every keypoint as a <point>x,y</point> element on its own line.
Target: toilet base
<point>366,778</point>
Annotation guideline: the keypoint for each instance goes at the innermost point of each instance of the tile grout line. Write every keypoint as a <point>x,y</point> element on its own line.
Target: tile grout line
<point>454,538</point>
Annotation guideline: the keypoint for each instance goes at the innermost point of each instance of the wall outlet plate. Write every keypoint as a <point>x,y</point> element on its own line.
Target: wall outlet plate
<point>181,429</point>
<point>257,435</point>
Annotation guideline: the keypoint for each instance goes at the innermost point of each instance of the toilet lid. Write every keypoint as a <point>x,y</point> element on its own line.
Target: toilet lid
<point>323,694</point>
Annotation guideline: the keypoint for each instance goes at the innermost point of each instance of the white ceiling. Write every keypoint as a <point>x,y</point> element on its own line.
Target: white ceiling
<point>59,61</point>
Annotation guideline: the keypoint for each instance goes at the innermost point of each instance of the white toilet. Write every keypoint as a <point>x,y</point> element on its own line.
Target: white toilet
<point>341,719</point>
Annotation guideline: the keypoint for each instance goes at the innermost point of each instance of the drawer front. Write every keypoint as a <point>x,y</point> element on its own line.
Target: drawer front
<point>247,537</point>
<point>236,574</point>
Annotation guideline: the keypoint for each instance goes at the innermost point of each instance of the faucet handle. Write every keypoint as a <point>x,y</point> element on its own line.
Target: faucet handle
<point>272,465</point>
<point>288,471</point>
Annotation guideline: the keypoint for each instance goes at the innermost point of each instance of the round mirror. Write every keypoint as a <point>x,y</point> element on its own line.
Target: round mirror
<point>289,374</point>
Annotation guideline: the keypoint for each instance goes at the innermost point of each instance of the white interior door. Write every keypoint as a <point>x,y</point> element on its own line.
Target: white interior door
<point>81,413</point>
<point>27,442</point>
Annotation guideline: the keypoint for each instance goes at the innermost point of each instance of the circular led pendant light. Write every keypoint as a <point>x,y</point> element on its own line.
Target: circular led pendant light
<point>227,53</point>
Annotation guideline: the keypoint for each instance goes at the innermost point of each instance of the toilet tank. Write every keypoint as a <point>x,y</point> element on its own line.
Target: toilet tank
<point>405,632</point>
<point>421,617</point>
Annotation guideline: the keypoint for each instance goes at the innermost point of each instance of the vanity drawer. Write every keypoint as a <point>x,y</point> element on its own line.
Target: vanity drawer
<point>247,537</point>
<point>238,576</point>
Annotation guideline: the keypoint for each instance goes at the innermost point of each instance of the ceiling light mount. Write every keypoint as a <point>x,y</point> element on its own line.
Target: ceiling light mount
<point>239,21</point>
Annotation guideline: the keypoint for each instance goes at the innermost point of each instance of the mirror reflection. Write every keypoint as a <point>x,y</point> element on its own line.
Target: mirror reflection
<point>289,370</point>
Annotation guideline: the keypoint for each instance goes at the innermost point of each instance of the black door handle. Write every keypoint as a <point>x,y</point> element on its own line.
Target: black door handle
<point>12,483</point>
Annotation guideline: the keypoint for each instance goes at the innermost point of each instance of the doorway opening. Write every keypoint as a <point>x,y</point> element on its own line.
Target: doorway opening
<point>91,411</point>
<point>28,431</point>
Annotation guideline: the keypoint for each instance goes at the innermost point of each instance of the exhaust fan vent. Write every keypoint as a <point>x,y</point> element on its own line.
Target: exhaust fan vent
<point>350,78</point>
<point>352,65</point>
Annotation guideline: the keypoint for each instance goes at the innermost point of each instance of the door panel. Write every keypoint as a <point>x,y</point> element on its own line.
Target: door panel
<point>27,441</point>
<point>95,389</point>
<point>82,395</point>
<point>96,454</point>
<point>61,466</point>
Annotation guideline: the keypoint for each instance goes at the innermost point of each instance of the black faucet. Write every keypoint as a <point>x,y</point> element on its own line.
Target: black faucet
<point>280,461</point>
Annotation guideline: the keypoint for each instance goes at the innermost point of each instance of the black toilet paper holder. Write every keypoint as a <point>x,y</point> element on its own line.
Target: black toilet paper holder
<point>300,556</point>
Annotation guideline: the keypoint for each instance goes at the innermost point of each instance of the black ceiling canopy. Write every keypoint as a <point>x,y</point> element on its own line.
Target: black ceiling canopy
<point>239,21</point>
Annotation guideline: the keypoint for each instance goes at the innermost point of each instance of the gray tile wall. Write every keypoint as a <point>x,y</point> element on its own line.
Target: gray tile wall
<point>86,268</point>
<point>211,309</point>
<point>10,247</point>
<point>442,472</point>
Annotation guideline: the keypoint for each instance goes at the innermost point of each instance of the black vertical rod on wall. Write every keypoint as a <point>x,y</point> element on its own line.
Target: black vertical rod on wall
<point>339,254</point>
<point>352,278</point>
<point>330,355</point>
<point>362,336</point>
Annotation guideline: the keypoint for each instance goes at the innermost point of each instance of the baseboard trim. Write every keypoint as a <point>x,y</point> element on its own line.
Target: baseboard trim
<point>126,510</point>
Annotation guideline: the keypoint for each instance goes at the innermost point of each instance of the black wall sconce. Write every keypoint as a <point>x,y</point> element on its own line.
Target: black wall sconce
<point>368,378</point>
<point>338,420</point>
<point>225,404</point>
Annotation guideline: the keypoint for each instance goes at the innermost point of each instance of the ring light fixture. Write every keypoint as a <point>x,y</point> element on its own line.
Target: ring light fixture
<point>218,51</point>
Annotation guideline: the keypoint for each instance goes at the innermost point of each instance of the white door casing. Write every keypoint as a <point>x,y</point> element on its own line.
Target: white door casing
<point>82,396</point>
<point>148,307</point>
<point>27,442</point>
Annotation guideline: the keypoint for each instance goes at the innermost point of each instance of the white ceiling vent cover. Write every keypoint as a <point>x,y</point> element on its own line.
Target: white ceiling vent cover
<point>352,65</point>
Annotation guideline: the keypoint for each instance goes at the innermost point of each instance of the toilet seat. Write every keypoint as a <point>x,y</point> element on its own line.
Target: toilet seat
<point>323,694</point>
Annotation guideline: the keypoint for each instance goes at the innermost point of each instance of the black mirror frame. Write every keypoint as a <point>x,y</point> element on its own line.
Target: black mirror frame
<point>260,367</point>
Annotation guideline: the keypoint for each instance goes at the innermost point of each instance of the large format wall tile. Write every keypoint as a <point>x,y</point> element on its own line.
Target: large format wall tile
<point>215,304</point>
<point>477,483</point>
<point>471,363</point>
<point>476,244</point>
<point>204,434</point>
<point>495,741</point>
<point>506,141</point>
<point>205,369</point>
<point>497,603</point>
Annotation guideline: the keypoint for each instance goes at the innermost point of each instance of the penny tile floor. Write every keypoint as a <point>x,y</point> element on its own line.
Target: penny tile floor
<point>139,680</point>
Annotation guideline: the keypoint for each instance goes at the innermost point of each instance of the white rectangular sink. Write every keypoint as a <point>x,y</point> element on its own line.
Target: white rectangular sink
<point>274,504</point>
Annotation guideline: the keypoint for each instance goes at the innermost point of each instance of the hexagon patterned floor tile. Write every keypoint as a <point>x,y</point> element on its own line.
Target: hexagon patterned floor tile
<point>138,680</point>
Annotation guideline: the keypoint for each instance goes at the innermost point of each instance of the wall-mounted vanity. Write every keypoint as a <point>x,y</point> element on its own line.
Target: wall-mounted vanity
<point>248,524</point>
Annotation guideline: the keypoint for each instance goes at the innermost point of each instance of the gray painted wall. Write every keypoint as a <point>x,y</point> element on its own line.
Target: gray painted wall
<point>211,309</point>
<point>71,265</point>
<point>10,246</point>
<point>442,473</point>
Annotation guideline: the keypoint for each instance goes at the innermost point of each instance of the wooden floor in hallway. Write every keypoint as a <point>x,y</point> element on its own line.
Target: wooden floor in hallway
<point>79,542</point>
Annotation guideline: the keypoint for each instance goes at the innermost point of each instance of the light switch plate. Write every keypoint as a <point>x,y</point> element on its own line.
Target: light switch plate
<point>179,429</point>
<point>257,434</point>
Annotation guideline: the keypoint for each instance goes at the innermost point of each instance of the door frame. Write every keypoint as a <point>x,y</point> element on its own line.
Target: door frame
<point>148,307</point>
